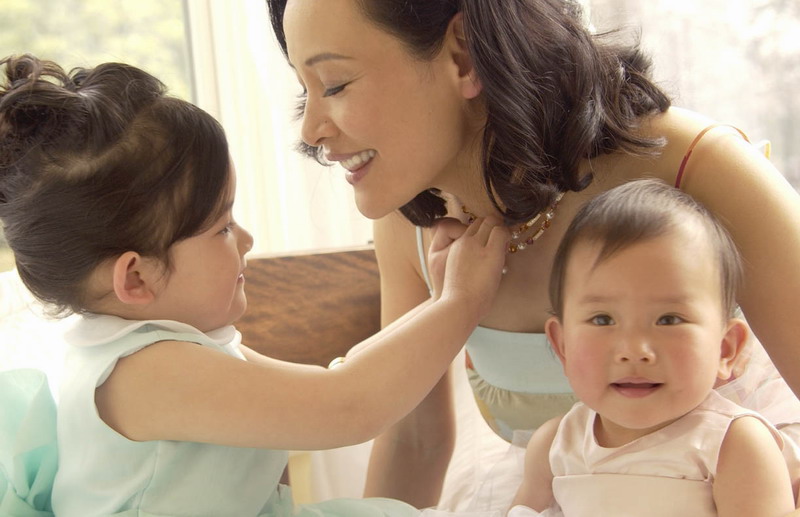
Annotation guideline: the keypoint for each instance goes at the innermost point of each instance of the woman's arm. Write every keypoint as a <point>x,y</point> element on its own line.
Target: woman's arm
<point>409,460</point>
<point>181,391</point>
<point>762,212</point>
<point>752,478</point>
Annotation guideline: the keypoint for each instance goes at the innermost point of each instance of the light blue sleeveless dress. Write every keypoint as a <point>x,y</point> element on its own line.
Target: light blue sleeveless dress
<point>103,473</point>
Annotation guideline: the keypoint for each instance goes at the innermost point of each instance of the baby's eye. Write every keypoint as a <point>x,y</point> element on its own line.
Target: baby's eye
<point>669,319</point>
<point>602,320</point>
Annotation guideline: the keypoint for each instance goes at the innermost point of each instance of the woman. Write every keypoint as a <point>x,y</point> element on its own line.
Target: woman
<point>466,109</point>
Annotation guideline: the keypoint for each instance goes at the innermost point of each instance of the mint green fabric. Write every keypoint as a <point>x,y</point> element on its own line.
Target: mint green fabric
<point>101,473</point>
<point>28,450</point>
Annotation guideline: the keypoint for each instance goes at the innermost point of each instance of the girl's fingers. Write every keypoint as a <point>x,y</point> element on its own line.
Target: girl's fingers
<point>499,237</point>
<point>445,232</point>
<point>484,228</point>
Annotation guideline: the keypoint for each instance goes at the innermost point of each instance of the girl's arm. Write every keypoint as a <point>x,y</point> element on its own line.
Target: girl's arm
<point>536,490</point>
<point>752,478</point>
<point>181,391</point>
<point>409,460</point>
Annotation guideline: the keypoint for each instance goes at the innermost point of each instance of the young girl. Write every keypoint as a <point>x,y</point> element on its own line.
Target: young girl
<point>644,330</point>
<point>117,202</point>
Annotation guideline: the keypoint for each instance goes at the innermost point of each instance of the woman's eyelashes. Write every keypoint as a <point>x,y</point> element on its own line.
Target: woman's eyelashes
<point>302,98</point>
<point>300,105</point>
<point>334,90</point>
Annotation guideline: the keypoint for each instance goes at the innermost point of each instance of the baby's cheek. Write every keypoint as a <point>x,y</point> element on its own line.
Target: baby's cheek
<point>584,369</point>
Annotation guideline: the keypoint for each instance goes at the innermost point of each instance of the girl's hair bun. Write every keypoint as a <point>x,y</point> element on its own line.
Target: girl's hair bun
<point>35,97</point>
<point>46,112</point>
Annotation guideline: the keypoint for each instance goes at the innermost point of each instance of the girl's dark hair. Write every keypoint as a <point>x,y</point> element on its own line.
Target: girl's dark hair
<point>635,212</point>
<point>97,162</point>
<point>555,94</point>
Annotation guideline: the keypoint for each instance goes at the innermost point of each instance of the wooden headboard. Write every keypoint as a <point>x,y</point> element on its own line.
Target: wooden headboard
<point>313,307</point>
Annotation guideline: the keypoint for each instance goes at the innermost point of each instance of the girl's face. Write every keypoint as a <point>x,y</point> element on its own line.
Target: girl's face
<point>396,125</point>
<point>643,337</point>
<point>205,287</point>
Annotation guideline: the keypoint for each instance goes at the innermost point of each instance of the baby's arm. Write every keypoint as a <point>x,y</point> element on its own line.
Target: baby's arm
<point>536,490</point>
<point>752,477</point>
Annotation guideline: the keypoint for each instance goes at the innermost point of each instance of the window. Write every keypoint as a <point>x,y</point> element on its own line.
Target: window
<point>737,61</point>
<point>150,34</point>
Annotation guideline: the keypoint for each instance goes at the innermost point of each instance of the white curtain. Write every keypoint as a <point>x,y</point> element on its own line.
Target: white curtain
<point>287,201</point>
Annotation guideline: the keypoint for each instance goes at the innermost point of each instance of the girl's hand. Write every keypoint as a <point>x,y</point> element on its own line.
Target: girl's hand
<point>466,262</point>
<point>445,232</point>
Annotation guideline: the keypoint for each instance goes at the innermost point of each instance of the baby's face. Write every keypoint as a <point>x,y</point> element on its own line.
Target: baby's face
<point>643,330</point>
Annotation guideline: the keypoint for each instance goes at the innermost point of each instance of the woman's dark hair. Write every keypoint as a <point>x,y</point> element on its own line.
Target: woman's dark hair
<point>97,162</point>
<point>638,211</point>
<point>555,94</point>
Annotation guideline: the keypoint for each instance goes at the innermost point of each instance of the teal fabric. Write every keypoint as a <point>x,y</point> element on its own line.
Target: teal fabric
<point>28,450</point>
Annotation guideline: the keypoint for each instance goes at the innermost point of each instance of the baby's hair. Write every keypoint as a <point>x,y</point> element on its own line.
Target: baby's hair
<point>638,211</point>
<point>97,162</point>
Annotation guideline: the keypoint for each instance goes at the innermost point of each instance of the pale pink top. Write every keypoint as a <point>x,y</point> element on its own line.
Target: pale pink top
<point>666,473</point>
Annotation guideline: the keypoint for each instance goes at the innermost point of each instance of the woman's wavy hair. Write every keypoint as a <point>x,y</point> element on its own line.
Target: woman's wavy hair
<point>555,94</point>
<point>97,162</point>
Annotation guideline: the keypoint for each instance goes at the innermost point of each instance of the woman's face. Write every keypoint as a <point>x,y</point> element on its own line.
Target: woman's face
<point>397,125</point>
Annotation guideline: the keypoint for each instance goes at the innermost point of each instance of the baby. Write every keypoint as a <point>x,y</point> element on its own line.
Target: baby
<point>644,292</point>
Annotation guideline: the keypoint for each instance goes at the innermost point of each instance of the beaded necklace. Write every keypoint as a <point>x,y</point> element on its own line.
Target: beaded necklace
<point>518,243</point>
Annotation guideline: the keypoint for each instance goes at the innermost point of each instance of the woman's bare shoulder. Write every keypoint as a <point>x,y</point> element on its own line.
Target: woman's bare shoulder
<point>676,129</point>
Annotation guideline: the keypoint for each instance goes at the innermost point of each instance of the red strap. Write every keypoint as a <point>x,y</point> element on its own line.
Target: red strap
<point>700,135</point>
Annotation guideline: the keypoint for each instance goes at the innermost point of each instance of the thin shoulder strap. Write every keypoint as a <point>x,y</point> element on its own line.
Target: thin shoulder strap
<point>422,263</point>
<point>699,136</point>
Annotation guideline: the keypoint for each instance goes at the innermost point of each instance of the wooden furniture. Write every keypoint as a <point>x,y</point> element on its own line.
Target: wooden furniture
<point>313,307</point>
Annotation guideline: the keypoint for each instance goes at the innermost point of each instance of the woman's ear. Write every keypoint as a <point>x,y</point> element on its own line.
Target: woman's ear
<point>456,46</point>
<point>555,335</point>
<point>732,361</point>
<point>134,279</point>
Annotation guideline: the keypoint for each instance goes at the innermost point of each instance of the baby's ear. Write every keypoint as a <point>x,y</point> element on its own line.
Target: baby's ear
<point>555,334</point>
<point>134,279</point>
<point>732,360</point>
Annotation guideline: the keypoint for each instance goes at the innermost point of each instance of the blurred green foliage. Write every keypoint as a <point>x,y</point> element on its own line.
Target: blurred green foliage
<point>149,34</point>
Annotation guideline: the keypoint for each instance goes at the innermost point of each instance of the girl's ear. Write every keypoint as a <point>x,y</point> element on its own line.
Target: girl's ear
<point>732,361</point>
<point>555,334</point>
<point>134,279</point>
<point>456,45</point>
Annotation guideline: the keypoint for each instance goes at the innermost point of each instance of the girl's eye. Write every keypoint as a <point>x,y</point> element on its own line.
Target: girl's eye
<point>228,228</point>
<point>333,91</point>
<point>602,320</point>
<point>669,319</point>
